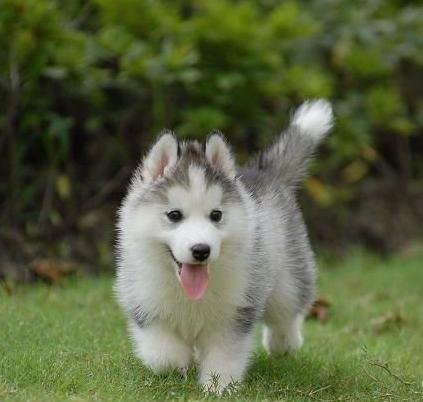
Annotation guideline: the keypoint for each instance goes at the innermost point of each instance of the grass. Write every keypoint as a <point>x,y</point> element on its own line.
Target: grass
<point>70,343</point>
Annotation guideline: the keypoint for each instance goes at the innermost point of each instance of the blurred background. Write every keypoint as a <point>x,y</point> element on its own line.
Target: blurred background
<point>86,85</point>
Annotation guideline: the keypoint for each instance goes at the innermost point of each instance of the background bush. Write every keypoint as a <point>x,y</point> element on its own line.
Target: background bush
<point>85,85</point>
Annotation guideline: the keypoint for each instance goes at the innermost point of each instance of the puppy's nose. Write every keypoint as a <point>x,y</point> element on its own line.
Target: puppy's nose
<point>200,251</point>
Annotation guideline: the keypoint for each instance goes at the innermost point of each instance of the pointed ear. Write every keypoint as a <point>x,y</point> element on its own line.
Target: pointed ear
<point>162,156</point>
<point>219,155</point>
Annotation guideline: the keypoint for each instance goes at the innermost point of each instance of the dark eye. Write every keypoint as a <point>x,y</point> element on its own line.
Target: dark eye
<point>175,215</point>
<point>216,215</point>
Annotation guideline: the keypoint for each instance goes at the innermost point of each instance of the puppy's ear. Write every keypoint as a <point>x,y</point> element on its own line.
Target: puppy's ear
<point>162,156</point>
<point>219,155</point>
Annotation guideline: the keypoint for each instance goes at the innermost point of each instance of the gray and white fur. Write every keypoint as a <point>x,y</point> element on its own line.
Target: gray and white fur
<point>258,266</point>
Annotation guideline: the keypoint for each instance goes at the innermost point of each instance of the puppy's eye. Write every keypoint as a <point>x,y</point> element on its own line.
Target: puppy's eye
<point>216,215</point>
<point>175,215</point>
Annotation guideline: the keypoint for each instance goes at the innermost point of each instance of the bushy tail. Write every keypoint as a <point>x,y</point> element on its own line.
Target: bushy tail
<point>288,159</point>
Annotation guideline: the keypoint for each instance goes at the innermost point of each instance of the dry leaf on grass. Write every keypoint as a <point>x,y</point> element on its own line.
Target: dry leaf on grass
<point>387,322</point>
<point>320,310</point>
<point>6,285</point>
<point>52,269</point>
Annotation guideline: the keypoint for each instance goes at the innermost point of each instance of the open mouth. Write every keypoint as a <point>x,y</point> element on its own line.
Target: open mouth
<point>179,264</point>
<point>194,278</point>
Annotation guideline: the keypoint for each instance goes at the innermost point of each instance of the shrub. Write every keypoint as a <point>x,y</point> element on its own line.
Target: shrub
<point>86,85</point>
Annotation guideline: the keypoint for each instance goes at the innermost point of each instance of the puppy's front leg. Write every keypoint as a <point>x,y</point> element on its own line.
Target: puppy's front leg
<point>223,359</point>
<point>160,348</point>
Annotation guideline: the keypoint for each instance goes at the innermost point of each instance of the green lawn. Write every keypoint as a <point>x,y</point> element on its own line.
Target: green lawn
<point>70,343</point>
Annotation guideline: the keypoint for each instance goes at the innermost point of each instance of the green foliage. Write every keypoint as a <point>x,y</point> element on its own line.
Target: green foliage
<point>85,85</point>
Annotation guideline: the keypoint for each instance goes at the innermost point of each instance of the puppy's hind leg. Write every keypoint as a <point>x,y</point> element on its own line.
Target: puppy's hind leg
<point>283,335</point>
<point>286,308</point>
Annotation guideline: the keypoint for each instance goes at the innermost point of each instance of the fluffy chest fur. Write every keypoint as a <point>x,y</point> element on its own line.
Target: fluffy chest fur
<point>153,288</point>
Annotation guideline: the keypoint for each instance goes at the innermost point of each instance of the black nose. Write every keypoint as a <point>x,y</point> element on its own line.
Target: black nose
<point>200,251</point>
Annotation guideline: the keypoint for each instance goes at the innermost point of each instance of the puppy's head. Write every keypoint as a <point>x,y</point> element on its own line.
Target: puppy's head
<point>186,206</point>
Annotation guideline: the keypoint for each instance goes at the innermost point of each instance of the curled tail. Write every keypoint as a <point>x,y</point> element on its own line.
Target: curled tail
<point>288,158</point>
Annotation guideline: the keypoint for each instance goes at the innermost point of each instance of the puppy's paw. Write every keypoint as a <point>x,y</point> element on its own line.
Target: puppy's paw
<point>167,359</point>
<point>161,350</point>
<point>220,385</point>
<point>291,344</point>
<point>183,372</point>
<point>281,342</point>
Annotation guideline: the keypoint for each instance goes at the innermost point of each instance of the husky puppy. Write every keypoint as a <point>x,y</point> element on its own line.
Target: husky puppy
<point>205,251</point>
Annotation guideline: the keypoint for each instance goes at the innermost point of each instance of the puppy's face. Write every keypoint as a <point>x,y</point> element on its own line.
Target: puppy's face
<point>187,204</point>
<point>194,219</point>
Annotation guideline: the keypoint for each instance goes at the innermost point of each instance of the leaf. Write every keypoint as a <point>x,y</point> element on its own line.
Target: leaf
<point>318,191</point>
<point>320,310</point>
<point>51,269</point>
<point>63,186</point>
<point>354,172</point>
<point>369,153</point>
<point>387,322</point>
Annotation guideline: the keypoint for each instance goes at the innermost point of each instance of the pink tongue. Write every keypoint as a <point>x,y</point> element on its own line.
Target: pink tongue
<point>194,280</point>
